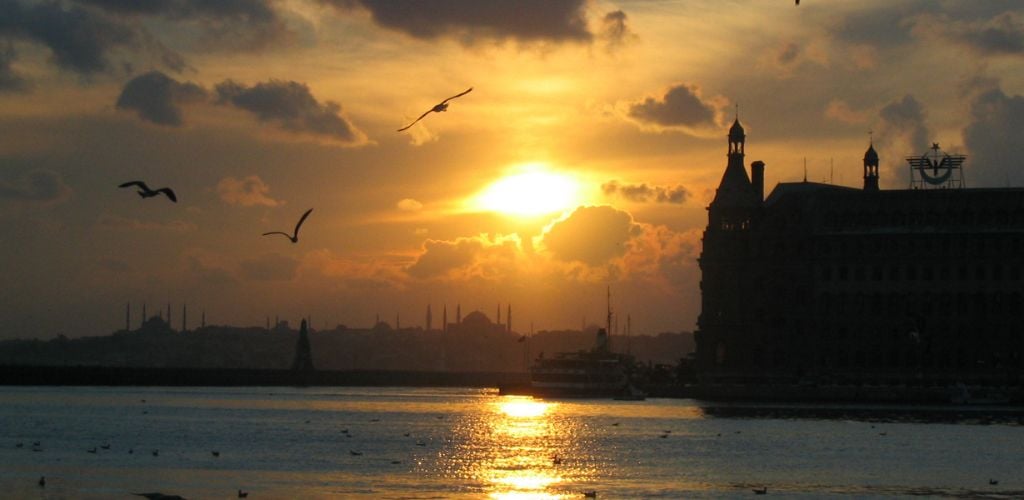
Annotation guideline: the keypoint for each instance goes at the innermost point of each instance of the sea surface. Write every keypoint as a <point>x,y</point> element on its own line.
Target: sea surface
<point>417,443</point>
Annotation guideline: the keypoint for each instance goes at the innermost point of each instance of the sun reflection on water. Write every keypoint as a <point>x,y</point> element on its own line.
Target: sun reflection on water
<point>519,448</point>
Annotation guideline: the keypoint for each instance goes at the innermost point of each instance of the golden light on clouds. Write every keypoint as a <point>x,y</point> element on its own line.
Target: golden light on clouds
<point>534,190</point>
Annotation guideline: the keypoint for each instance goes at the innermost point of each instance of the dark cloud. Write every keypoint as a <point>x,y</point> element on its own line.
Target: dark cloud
<point>9,80</point>
<point>245,23</point>
<point>270,267</point>
<point>79,39</point>
<point>904,119</point>
<point>681,106</point>
<point>886,25</point>
<point>290,105</point>
<point>1002,34</point>
<point>642,193</point>
<point>525,20</point>
<point>39,186</point>
<point>788,54</point>
<point>592,235</point>
<point>158,98</point>
<point>995,139</point>
<point>615,30</point>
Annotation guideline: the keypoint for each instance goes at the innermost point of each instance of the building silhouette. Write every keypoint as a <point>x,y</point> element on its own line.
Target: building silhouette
<point>825,283</point>
<point>303,353</point>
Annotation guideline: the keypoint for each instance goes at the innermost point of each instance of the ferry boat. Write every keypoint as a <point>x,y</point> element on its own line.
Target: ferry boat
<point>597,373</point>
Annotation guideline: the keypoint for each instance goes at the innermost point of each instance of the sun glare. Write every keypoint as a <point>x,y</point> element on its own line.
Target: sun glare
<point>534,192</point>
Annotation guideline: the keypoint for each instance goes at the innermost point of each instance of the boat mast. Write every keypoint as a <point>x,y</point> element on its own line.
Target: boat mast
<point>608,327</point>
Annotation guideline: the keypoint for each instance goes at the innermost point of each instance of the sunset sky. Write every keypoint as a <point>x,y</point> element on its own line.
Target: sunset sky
<point>585,156</point>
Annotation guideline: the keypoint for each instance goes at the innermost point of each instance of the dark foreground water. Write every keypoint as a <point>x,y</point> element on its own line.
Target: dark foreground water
<point>469,443</point>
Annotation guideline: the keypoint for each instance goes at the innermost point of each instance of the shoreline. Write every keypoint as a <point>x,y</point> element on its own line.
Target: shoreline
<point>517,383</point>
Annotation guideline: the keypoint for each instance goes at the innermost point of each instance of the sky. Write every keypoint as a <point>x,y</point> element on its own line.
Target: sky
<point>584,157</point>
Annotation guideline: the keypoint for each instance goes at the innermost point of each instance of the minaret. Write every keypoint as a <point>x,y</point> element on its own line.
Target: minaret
<point>508,319</point>
<point>303,352</point>
<point>458,314</point>
<point>168,315</point>
<point>430,319</point>
<point>398,321</point>
<point>202,320</point>
<point>444,319</point>
<point>498,316</point>
<point>128,316</point>
<point>143,322</point>
<point>871,168</point>
<point>184,317</point>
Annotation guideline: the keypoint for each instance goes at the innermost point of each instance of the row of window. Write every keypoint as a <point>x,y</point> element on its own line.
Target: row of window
<point>973,218</point>
<point>921,272</point>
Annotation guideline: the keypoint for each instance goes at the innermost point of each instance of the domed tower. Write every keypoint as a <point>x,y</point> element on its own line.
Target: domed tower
<point>736,198</point>
<point>728,269</point>
<point>871,168</point>
<point>737,136</point>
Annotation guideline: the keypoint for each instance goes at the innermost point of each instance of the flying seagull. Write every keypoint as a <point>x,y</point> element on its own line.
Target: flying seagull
<point>145,192</point>
<point>443,106</point>
<point>295,235</point>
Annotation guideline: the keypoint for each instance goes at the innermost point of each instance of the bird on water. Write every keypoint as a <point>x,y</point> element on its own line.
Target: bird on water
<point>295,235</point>
<point>438,108</point>
<point>146,192</point>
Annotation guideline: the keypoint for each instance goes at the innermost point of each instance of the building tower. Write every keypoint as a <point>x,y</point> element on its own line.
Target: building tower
<point>184,317</point>
<point>444,319</point>
<point>128,317</point>
<point>303,354</point>
<point>143,322</point>
<point>871,168</point>
<point>508,319</point>
<point>430,318</point>
<point>458,314</point>
<point>728,301</point>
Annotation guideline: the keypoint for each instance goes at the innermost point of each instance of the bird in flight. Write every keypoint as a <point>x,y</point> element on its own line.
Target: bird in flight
<point>145,192</point>
<point>443,106</point>
<point>295,235</point>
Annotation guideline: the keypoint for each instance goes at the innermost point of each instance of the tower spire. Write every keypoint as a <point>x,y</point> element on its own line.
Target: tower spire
<point>871,165</point>
<point>430,318</point>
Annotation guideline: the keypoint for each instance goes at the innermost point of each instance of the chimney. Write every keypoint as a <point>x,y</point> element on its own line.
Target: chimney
<point>757,179</point>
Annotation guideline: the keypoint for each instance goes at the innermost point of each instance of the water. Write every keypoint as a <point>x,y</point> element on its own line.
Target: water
<point>470,443</point>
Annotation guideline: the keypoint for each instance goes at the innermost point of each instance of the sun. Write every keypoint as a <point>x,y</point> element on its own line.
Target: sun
<point>534,190</point>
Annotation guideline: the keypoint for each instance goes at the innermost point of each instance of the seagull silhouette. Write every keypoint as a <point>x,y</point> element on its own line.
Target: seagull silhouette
<point>145,192</point>
<point>295,235</point>
<point>442,106</point>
